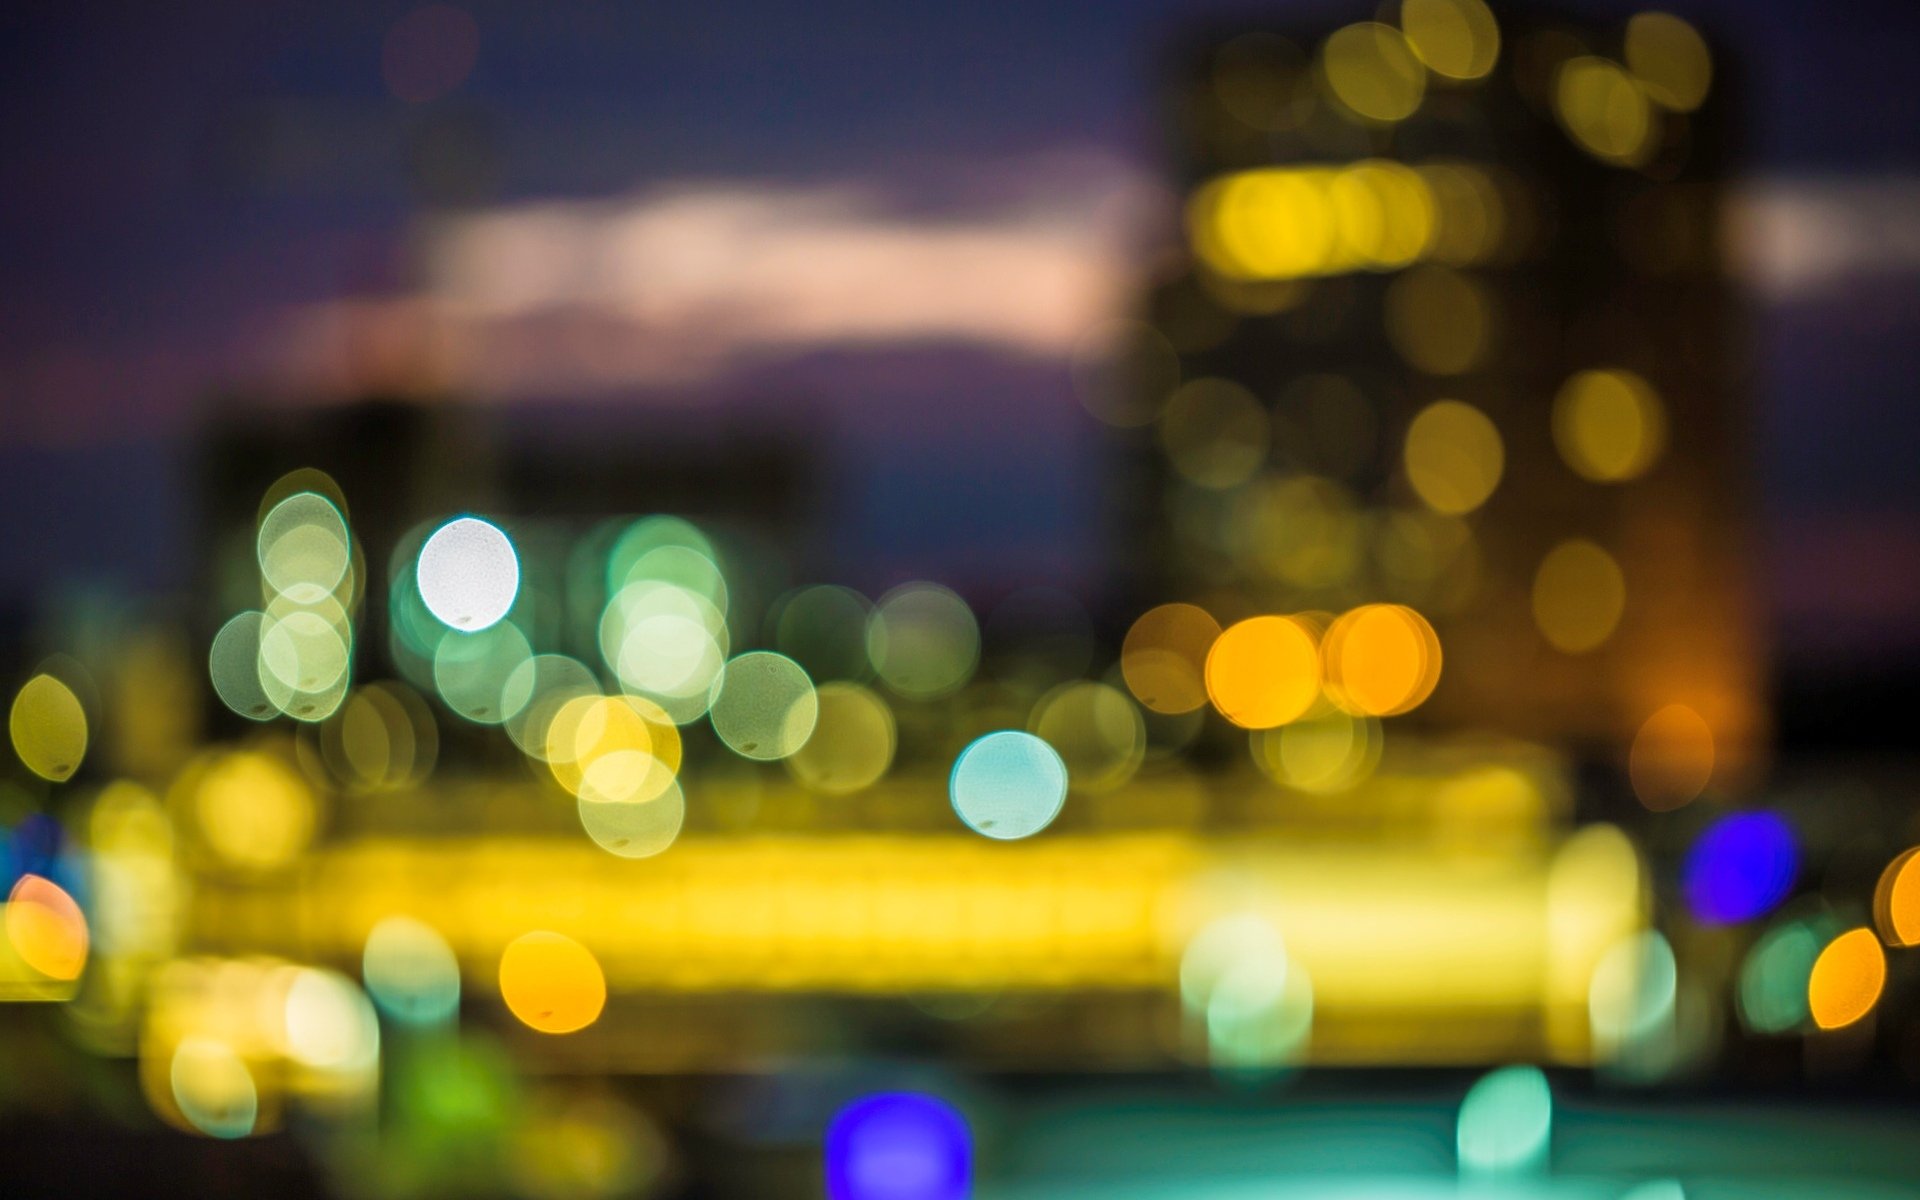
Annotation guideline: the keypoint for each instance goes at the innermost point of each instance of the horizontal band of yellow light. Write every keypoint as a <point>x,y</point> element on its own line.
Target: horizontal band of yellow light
<point>1397,936</point>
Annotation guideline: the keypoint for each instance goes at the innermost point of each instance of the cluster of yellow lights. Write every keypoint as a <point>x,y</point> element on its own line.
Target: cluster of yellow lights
<point>294,655</point>
<point>1378,660</point>
<point>1275,223</point>
<point>225,1041</point>
<point>1379,74</point>
<point>1613,111</point>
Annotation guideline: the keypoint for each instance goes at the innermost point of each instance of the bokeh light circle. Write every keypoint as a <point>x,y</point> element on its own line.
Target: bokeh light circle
<point>1846,980</point>
<point>1164,657</point>
<point>1264,671</point>
<point>411,972</point>
<point>898,1146</point>
<point>552,983</point>
<point>1380,660</point>
<point>48,725</point>
<point>634,828</point>
<point>1896,900</point>
<point>468,574</point>
<point>763,706</point>
<point>1741,867</point>
<point>853,741</point>
<point>1008,785</point>
<point>923,640</point>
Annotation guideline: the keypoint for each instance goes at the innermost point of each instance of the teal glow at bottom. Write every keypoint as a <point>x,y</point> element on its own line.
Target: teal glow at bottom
<point>1505,1123</point>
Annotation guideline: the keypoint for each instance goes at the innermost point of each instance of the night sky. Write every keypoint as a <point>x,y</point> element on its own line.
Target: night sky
<point>178,177</point>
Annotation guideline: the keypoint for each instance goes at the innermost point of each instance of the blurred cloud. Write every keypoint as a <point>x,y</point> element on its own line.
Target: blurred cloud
<point>687,283</point>
<point>1796,238</point>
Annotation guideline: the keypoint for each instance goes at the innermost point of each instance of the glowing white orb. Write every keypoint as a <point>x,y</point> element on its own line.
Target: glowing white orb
<point>468,574</point>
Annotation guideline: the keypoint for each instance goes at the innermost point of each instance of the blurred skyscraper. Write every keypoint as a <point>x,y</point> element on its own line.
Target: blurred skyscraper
<point>1451,329</point>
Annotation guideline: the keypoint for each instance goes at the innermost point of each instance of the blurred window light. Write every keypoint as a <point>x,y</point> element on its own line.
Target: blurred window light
<point>46,928</point>
<point>233,664</point>
<point>667,643</point>
<point>552,983</point>
<point>1380,660</point>
<point>1670,59</point>
<point>923,641</point>
<point>1506,1123</point>
<point>410,972</point>
<point>1741,867</point>
<point>1008,785</point>
<point>613,748</point>
<point>1771,992</point>
<point>468,574</point>
<point>1896,900</point>
<point>1454,457</point>
<point>1609,425</point>
<point>1322,754</point>
<point>898,1146</point>
<point>213,1088</point>
<point>253,810</point>
<point>330,1024</point>
<point>633,827</point>
<point>853,741</point>
<point>1164,655</point>
<point>48,726</point>
<point>1672,758</point>
<point>1372,70</point>
<point>479,676</point>
<point>763,706</point>
<point>1095,729</point>
<point>1439,320</point>
<point>1264,671</point>
<point>303,548</point>
<point>823,627</point>
<point>1847,979</point>
<point>1456,38</point>
<point>1578,596</point>
<point>1633,994</point>
<point>550,682</point>
<point>1215,433</point>
<point>382,738</point>
<point>1605,111</point>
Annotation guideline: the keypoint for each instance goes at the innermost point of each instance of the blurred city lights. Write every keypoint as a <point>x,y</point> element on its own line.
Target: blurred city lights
<point>1578,596</point>
<point>1008,785</point>
<point>1164,657</point>
<point>1506,1122</point>
<point>1896,900</point>
<point>46,928</point>
<point>410,972</point>
<point>898,1146</point>
<point>48,726</point>
<point>1264,671</point>
<point>552,983</point>
<point>468,574</point>
<point>1847,979</point>
<point>1741,867</point>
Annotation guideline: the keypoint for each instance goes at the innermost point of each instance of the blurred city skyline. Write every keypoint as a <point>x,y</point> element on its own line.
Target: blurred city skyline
<point>239,200</point>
